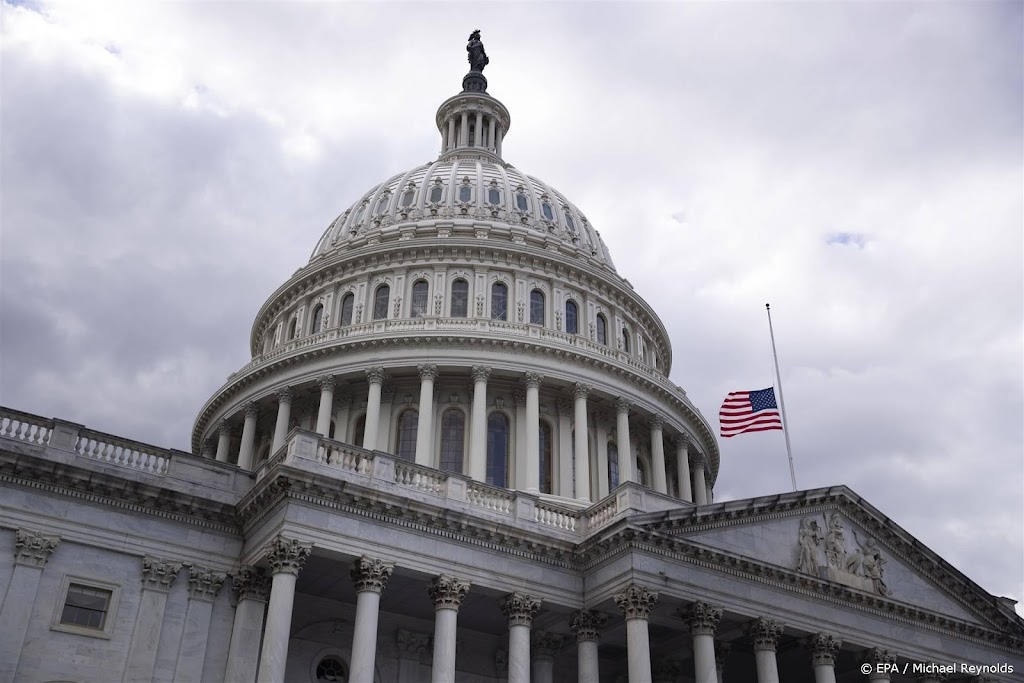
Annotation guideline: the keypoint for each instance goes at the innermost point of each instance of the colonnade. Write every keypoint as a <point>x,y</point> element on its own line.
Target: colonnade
<point>689,481</point>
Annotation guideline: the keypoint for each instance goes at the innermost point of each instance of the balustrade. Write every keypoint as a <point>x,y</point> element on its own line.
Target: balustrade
<point>24,427</point>
<point>417,477</point>
<point>116,451</point>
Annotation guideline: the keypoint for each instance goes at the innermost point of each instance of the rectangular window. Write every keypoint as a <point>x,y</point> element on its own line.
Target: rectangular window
<point>86,606</point>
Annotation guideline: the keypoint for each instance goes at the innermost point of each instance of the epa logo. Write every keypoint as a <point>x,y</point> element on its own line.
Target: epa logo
<point>880,668</point>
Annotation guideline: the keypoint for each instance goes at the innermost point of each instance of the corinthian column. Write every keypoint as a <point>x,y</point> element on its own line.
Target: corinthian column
<point>157,576</point>
<point>375,377</point>
<point>370,576</point>
<point>586,625</point>
<point>532,381</point>
<point>447,593</point>
<point>478,425</point>
<point>251,411</point>
<point>683,468</point>
<point>223,441</point>
<point>627,466</point>
<point>284,412</point>
<point>700,487</point>
<point>32,549</point>
<point>823,647</point>
<point>658,477</point>
<point>323,416</point>
<point>252,588</point>
<point>702,619</point>
<point>636,603</point>
<point>286,558</point>
<point>203,585</point>
<point>425,423</point>
<point>765,633</point>
<point>880,662</point>
<point>519,609</point>
<point>582,444</point>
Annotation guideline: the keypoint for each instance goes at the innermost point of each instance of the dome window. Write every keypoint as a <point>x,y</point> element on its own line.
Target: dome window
<point>359,216</point>
<point>522,203</point>
<point>436,194</point>
<point>380,302</point>
<point>494,196</point>
<point>547,211</point>
<point>460,299</point>
<point>347,304</point>
<point>318,319</point>
<point>571,317</point>
<point>536,307</point>
<point>293,329</point>
<point>602,330</point>
<point>465,194</point>
<point>420,292</point>
<point>408,197</point>
<point>569,222</point>
<point>405,437</point>
<point>497,449</point>
<point>382,205</point>
<point>453,437</point>
<point>499,301</point>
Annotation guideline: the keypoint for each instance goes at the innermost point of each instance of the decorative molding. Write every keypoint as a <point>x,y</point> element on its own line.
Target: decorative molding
<point>587,625</point>
<point>371,574</point>
<point>519,608</point>
<point>448,592</point>
<point>876,657</point>
<point>33,548</point>
<point>287,556</point>
<point>636,602</point>
<point>158,574</point>
<point>564,406</point>
<point>203,583</point>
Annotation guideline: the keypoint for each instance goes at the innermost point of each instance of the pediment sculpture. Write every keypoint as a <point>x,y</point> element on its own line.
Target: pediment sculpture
<point>862,568</point>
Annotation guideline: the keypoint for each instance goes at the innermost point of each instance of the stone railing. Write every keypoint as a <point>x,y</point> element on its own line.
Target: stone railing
<point>114,450</point>
<point>557,517</point>
<point>491,498</point>
<point>15,424</point>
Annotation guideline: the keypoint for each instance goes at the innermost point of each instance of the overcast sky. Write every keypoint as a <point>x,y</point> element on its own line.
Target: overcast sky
<point>859,165</point>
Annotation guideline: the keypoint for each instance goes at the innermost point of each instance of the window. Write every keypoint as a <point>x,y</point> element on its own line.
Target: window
<point>453,432</point>
<point>359,433</point>
<point>436,194</point>
<point>318,319</point>
<point>420,290</point>
<point>331,670</point>
<point>293,331</point>
<point>641,473</point>
<point>497,449</point>
<point>347,304</point>
<point>465,193</point>
<point>537,307</point>
<point>625,340</point>
<point>571,317</point>
<point>499,301</point>
<point>460,299</point>
<point>522,203</point>
<point>493,196</point>
<point>547,211</point>
<point>380,302</point>
<point>602,330</point>
<point>406,440</point>
<point>544,448</point>
<point>88,607</point>
<point>613,465</point>
<point>407,198</point>
<point>569,222</point>
<point>382,205</point>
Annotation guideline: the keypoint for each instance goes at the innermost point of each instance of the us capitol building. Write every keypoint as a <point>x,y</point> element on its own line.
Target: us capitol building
<point>457,455</point>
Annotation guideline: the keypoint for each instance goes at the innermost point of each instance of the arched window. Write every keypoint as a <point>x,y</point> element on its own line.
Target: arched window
<point>625,340</point>
<point>359,432</point>
<point>499,301</point>
<point>380,302</point>
<point>460,299</point>
<point>420,290</point>
<point>641,473</point>
<point>544,448</point>
<point>613,465</point>
<point>347,304</point>
<point>497,449</point>
<point>318,319</point>
<point>405,441</point>
<point>572,325</point>
<point>537,307</point>
<point>330,431</point>
<point>453,432</point>
<point>293,330</point>
<point>602,330</point>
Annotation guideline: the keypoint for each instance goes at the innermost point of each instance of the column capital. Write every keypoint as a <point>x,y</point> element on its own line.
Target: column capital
<point>448,592</point>
<point>519,608</point>
<point>285,395</point>
<point>414,646</point>
<point>532,380</point>
<point>683,440</point>
<point>701,617</point>
<point>223,428</point>
<point>251,409</point>
<point>251,583</point>
<point>33,548</point>
<point>545,645</point>
<point>823,647</point>
<point>427,371</point>
<point>587,624</point>
<point>326,382</point>
<point>877,657</point>
<point>697,460</point>
<point>580,390</point>
<point>481,373</point>
<point>765,633</point>
<point>158,574</point>
<point>564,406</point>
<point>622,405</point>
<point>371,574</point>
<point>287,555</point>
<point>656,422</point>
<point>203,583</point>
<point>375,374</point>
<point>636,602</point>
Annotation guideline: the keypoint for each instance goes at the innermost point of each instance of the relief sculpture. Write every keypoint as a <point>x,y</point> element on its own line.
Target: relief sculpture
<point>860,569</point>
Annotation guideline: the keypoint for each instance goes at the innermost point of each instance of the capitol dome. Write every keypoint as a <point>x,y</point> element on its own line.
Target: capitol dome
<point>476,294</point>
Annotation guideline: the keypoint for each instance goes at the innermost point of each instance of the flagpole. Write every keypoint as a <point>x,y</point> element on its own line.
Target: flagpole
<point>782,401</point>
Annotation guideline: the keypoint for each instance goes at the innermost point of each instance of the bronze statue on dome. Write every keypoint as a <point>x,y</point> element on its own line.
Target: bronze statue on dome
<point>477,55</point>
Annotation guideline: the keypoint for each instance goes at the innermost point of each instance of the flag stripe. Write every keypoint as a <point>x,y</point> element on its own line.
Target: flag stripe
<point>749,411</point>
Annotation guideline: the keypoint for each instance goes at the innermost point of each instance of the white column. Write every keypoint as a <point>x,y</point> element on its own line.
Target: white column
<point>342,404</point>
<point>881,663</point>
<point>370,576</point>
<point>478,425</point>
<point>203,585</point>
<point>447,593</point>
<point>824,647</point>
<point>564,456</point>
<point>501,136</point>
<point>582,443</point>
<point>323,416</point>
<point>532,381</point>
<point>478,142</point>
<point>245,451</point>
<point>31,551</point>
<point>464,130</point>
<point>157,576</point>
<point>425,423</point>
<point>700,487</point>
<point>251,587</point>
<point>519,609</point>
<point>223,441</point>
<point>586,625</point>
<point>765,633</point>
<point>519,481</point>
<point>449,141</point>
<point>702,619</point>
<point>543,648</point>
<point>601,433</point>
<point>683,468</point>
<point>286,558</point>
<point>284,410</point>
<point>627,466</point>
<point>636,603</point>
<point>490,138</point>
<point>659,479</point>
<point>375,376</point>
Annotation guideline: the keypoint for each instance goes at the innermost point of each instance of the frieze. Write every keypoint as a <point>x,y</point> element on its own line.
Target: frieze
<point>863,568</point>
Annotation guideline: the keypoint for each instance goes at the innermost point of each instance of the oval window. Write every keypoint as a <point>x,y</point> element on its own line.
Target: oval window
<point>493,196</point>
<point>436,194</point>
<point>465,193</point>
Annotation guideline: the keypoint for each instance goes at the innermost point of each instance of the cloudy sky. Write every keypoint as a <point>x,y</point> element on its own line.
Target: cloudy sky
<point>165,166</point>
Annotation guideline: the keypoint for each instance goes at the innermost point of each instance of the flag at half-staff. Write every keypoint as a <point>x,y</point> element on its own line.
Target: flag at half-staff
<point>749,411</point>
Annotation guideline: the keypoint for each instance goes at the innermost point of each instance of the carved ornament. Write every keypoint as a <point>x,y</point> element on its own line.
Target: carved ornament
<point>765,633</point>
<point>287,556</point>
<point>158,573</point>
<point>448,592</point>
<point>33,548</point>
<point>203,583</point>
<point>823,647</point>
<point>371,574</point>
<point>702,618</point>
<point>636,602</point>
<point>519,609</point>
<point>587,624</point>
<point>251,583</point>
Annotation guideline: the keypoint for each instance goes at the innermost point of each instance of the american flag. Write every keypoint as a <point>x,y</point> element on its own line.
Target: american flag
<point>749,411</point>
